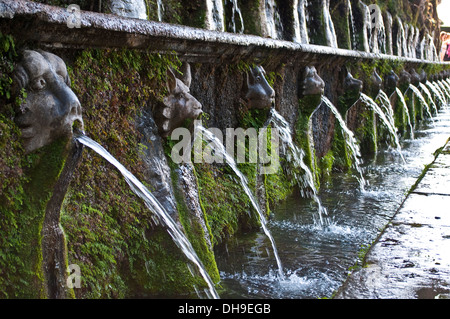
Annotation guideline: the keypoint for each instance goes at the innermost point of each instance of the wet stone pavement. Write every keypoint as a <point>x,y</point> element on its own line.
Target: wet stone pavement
<point>411,258</point>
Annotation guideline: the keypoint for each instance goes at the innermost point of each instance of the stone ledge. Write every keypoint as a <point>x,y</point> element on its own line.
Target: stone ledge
<point>47,25</point>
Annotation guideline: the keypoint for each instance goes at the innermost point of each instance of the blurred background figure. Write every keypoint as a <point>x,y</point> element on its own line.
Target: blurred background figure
<point>445,46</point>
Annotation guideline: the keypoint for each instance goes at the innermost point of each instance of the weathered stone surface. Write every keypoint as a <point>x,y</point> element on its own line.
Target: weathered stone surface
<point>51,108</point>
<point>409,260</point>
<point>179,105</point>
<point>260,94</point>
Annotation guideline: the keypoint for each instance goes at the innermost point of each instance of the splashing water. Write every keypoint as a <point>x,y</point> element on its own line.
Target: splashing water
<point>153,204</point>
<point>389,123</point>
<point>405,108</point>
<point>430,98</point>
<point>296,158</point>
<point>421,99</point>
<point>220,151</point>
<point>349,140</point>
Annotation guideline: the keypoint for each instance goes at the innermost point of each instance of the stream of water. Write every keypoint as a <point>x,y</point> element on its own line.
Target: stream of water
<point>422,100</point>
<point>429,97</point>
<point>386,118</point>
<point>160,213</point>
<point>316,259</point>
<point>406,110</point>
<point>220,151</point>
<point>350,140</point>
<point>295,156</point>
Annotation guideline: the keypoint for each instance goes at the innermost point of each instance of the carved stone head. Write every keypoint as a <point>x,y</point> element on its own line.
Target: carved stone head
<point>415,77</point>
<point>260,94</point>
<point>352,84</point>
<point>390,82</point>
<point>423,76</point>
<point>404,78</point>
<point>312,83</point>
<point>350,92</point>
<point>179,105</point>
<point>376,82</point>
<point>50,108</point>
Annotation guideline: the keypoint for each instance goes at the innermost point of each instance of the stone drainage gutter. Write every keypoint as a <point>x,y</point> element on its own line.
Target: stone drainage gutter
<point>47,25</point>
<point>411,259</point>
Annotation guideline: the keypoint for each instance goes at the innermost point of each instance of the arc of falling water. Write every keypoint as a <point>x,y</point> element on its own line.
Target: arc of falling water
<point>220,151</point>
<point>153,204</point>
<point>405,108</point>
<point>387,107</point>
<point>349,140</point>
<point>436,93</point>
<point>430,98</point>
<point>421,99</point>
<point>297,156</point>
<point>389,123</point>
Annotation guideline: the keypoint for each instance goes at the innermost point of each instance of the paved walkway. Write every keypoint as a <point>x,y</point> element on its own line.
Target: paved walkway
<point>411,258</point>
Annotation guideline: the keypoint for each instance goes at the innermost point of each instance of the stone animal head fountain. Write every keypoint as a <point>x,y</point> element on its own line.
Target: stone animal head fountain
<point>375,84</point>
<point>259,94</point>
<point>50,109</point>
<point>423,76</point>
<point>415,77</point>
<point>48,115</point>
<point>404,80</point>
<point>351,91</point>
<point>312,88</point>
<point>179,105</point>
<point>390,82</point>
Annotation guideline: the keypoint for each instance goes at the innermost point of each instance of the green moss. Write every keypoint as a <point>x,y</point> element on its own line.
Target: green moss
<point>193,229</point>
<point>303,134</point>
<point>26,184</point>
<point>250,10</point>
<point>111,235</point>
<point>21,222</point>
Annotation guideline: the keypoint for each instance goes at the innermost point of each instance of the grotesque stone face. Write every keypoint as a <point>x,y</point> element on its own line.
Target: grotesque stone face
<point>50,108</point>
<point>312,83</point>
<point>179,105</point>
<point>260,94</point>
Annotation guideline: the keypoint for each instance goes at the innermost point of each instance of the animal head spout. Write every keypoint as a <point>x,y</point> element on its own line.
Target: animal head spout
<point>312,83</point>
<point>376,81</point>
<point>50,109</point>
<point>260,94</point>
<point>179,104</point>
<point>391,81</point>
<point>352,84</point>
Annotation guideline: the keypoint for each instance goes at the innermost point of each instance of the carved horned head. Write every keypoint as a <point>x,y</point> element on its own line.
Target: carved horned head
<point>312,83</point>
<point>260,94</point>
<point>179,105</point>
<point>50,108</point>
